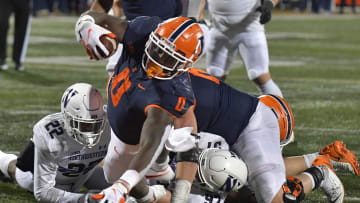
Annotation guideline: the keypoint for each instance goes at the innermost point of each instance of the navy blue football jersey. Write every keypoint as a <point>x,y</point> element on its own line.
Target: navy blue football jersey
<point>131,92</point>
<point>219,108</point>
<point>163,9</point>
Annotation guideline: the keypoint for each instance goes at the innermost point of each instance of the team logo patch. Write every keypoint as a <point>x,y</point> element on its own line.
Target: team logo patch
<point>68,96</point>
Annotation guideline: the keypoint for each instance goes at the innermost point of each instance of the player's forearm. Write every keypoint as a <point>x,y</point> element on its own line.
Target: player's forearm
<point>55,195</point>
<point>186,166</point>
<point>153,136</point>
<point>101,5</point>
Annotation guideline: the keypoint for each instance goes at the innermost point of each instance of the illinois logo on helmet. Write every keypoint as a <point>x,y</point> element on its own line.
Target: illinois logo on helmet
<point>284,115</point>
<point>172,48</point>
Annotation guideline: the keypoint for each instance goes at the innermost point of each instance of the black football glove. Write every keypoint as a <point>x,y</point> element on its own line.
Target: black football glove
<point>265,10</point>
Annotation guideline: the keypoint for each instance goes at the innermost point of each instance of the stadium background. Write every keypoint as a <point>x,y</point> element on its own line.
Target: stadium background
<point>313,58</point>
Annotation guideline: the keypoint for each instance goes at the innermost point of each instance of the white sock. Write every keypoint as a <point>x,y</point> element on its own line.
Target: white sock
<point>5,159</point>
<point>25,179</point>
<point>270,87</point>
<point>181,192</point>
<point>309,158</point>
<point>311,178</point>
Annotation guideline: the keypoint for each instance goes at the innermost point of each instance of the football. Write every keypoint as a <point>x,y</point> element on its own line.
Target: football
<point>110,44</point>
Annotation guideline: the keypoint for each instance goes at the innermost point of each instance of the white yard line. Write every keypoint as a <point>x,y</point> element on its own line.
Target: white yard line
<point>28,112</point>
<point>66,60</point>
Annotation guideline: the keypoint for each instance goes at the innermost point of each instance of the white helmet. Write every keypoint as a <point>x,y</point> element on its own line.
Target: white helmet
<point>82,107</point>
<point>220,170</point>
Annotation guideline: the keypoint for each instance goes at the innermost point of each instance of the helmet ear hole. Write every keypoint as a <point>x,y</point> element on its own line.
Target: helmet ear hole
<point>221,170</point>
<point>82,108</point>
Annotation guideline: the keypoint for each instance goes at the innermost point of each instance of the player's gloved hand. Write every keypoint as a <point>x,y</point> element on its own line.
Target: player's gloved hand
<point>117,193</point>
<point>265,10</point>
<point>89,34</point>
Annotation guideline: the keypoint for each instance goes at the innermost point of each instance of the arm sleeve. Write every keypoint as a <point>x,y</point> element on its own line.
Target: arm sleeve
<point>45,168</point>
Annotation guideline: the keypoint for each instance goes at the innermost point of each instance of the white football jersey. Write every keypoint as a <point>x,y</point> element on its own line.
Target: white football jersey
<point>233,16</point>
<point>62,165</point>
<point>209,140</point>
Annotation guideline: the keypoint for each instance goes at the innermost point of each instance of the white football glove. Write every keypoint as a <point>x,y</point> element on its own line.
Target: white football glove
<point>117,193</point>
<point>80,22</point>
<point>89,34</point>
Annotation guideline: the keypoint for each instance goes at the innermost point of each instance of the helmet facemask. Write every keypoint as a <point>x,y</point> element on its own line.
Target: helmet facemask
<point>161,61</point>
<point>85,132</point>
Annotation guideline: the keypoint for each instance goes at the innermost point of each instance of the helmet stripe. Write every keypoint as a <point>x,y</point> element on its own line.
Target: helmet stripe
<point>288,118</point>
<point>180,30</point>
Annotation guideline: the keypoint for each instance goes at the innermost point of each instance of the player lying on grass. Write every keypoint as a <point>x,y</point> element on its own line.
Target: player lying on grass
<point>65,150</point>
<point>222,177</point>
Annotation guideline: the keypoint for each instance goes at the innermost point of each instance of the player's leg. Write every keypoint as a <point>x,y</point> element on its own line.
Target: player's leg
<point>160,170</point>
<point>22,32</point>
<point>254,53</point>
<point>319,175</point>
<point>19,168</point>
<point>117,158</point>
<point>5,12</point>
<point>8,165</point>
<point>258,145</point>
<point>341,158</point>
<point>220,54</point>
<point>116,162</point>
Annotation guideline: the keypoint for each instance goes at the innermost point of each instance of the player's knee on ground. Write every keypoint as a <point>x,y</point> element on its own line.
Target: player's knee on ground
<point>293,190</point>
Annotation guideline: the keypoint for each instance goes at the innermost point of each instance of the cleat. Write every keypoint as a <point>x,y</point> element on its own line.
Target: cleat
<point>341,157</point>
<point>331,184</point>
<point>165,174</point>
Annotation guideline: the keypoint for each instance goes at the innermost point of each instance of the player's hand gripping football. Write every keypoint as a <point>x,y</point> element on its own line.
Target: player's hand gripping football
<point>90,35</point>
<point>117,193</point>
<point>265,10</point>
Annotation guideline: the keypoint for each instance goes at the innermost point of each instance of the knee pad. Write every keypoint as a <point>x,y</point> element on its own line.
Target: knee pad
<point>190,156</point>
<point>293,190</point>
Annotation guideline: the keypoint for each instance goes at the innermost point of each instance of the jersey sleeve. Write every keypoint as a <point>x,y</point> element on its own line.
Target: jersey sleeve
<point>137,33</point>
<point>45,169</point>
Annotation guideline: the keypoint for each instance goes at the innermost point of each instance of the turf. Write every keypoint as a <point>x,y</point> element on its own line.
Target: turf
<point>314,59</point>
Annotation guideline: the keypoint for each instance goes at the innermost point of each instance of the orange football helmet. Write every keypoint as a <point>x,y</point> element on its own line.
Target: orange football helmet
<point>172,48</point>
<point>284,115</point>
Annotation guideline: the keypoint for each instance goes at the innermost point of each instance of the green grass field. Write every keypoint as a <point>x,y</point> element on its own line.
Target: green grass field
<point>313,58</point>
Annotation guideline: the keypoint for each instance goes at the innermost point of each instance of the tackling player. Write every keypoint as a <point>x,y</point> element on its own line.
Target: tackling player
<point>254,128</point>
<point>238,26</point>
<point>147,95</point>
<point>65,150</point>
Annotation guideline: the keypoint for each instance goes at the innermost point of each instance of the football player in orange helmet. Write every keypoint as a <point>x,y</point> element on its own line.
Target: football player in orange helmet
<point>145,94</point>
<point>172,48</point>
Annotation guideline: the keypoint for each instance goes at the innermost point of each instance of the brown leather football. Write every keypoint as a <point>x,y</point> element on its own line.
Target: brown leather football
<point>109,43</point>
